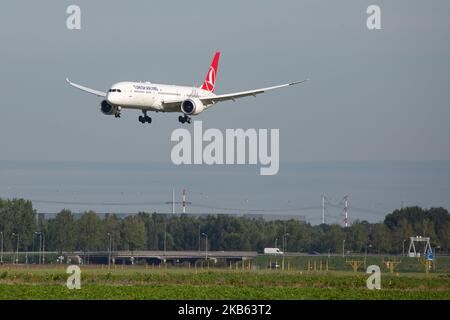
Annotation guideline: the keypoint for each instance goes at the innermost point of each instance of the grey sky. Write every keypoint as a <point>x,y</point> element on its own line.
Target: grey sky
<point>372,95</point>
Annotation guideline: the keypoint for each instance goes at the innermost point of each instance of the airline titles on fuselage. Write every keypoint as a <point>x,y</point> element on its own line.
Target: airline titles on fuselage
<point>140,87</point>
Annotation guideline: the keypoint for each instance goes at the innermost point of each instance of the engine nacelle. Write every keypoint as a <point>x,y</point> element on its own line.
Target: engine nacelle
<point>192,106</point>
<point>107,109</point>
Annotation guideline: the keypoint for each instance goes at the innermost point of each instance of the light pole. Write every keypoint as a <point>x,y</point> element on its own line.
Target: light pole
<point>343,248</point>
<point>403,252</point>
<point>206,245</point>
<point>284,247</point>
<point>365,256</point>
<point>199,239</point>
<point>276,242</point>
<point>165,240</point>
<point>40,245</point>
<point>1,255</point>
<point>109,249</point>
<point>285,242</point>
<point>43,248</point>
<point>435,256</point>
<point>17,249</point>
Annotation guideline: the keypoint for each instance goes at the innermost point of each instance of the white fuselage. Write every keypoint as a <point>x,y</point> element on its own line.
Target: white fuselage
<point>152,96</point>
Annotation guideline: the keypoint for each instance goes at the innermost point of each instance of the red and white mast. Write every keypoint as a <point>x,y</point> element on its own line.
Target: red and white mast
<point>184,201</point>
<point>346,210</point>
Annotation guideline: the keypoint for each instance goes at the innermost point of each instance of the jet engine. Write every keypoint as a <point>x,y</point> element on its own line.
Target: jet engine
<point>107,109</point>
<point>192,106</point>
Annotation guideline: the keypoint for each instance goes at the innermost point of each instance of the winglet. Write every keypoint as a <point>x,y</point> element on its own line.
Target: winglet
<point>297,82</point>
<point>86,89</point>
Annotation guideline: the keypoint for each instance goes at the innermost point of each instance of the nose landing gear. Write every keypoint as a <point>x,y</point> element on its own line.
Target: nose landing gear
<point>117,113</point>
<point>184,119</point>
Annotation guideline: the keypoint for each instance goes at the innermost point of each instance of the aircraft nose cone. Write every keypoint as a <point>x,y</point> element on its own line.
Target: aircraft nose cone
<point>110,98</point>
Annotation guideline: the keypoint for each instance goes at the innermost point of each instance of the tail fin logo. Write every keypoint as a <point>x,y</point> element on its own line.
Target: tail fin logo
<point>210,80</point>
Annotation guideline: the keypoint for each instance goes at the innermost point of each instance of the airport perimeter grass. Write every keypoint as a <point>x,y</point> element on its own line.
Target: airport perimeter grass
<point>186,284</point>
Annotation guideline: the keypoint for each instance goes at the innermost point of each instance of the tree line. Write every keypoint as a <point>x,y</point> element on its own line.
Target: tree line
<point>152,231</point>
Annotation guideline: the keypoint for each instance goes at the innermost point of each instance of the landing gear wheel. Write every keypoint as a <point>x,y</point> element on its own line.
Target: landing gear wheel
<point>145,118</point>
<point>184,119</point>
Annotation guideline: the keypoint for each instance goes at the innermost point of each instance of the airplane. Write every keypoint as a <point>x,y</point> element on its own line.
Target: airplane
<point>147,96</point>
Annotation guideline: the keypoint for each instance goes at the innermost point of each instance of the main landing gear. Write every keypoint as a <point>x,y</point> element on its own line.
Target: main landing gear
<point>145,118</point>
<point>184,119</point>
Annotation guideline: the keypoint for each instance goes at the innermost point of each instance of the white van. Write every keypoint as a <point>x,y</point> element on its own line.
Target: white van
<point>274,251</point>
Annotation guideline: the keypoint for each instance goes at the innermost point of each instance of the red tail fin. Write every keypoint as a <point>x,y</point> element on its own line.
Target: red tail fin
<point>210,79</point>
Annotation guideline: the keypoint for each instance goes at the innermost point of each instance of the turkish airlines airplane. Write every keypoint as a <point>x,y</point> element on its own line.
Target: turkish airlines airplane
<point>147,96</point>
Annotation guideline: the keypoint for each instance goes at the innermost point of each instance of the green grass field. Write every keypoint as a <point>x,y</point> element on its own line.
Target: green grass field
<point>182,283</point>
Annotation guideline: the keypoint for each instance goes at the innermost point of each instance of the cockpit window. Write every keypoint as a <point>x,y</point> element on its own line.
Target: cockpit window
<point>114,90</point>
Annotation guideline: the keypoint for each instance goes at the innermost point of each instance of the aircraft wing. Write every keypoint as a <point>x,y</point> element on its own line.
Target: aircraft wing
<point>242,94</point>
<point>89,90</point>
<point>175,104</point>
